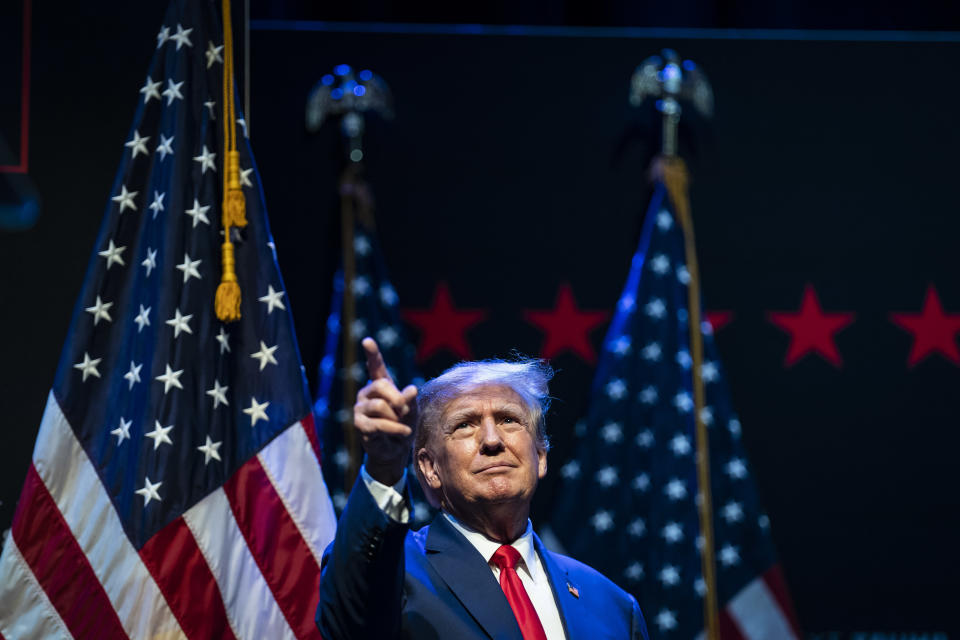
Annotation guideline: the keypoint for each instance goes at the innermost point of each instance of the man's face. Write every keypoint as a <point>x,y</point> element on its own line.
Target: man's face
<point>483,451</point>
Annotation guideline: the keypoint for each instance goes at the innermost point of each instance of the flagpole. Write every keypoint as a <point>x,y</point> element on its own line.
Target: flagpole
<point>668,80</point>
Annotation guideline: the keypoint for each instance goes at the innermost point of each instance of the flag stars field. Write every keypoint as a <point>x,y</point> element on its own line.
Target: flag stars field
<point>150,90</point>
<point>172,92</point>
<point>113,254</point>
<point>149,491</point>
<point>198,213</point>
<point>138,145</point>
<point>209,449</point>
<point>189,268</point>
<point>100,311</point>
<point>143,318</point>
<point>133,375</point>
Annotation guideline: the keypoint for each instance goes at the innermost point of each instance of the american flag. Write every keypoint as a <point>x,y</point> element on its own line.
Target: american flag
<point>629,493</point>
<point>175,488</point>
<point>376,313</point>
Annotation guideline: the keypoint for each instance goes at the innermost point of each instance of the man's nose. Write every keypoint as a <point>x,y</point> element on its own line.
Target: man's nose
<point>490,437</point>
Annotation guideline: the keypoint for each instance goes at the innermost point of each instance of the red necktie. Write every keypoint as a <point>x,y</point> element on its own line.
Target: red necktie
<point>506,559</point>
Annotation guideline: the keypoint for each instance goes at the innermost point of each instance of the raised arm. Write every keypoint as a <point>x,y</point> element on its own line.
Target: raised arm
<point>361,586</point>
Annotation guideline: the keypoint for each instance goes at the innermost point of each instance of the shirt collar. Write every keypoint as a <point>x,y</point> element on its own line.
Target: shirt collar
<point>487,547</point>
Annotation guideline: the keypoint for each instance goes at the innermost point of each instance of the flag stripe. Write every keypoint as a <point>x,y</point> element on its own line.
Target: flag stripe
<point>292,467</point>
<point>728,628</point>
<point>276,544</point>
<point>59,565</point>
<point>25,611</point>
<point>74,485</point>
<point>778,586</point>
<point>310,429</point>
<point>251,608</point>
<point>178,566</point>
<point>757,614</point>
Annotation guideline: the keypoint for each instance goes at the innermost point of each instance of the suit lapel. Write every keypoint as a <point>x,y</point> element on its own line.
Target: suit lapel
<point>576,620</point>
<point>470,579</point>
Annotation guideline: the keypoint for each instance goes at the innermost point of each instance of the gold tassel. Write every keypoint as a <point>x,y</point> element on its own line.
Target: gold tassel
<point>234,205</point>
<point>227,302</point>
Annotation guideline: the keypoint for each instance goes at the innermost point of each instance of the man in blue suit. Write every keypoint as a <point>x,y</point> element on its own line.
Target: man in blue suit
<point>479,571</point>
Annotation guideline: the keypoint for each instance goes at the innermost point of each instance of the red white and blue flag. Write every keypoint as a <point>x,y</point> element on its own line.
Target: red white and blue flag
<point>175,488</point>
<point>634,472</point>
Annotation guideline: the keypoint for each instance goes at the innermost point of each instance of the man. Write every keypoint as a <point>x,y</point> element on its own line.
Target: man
<point>478,571</point>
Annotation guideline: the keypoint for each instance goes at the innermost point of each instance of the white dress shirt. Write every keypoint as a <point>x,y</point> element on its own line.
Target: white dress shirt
<point>530,568</point>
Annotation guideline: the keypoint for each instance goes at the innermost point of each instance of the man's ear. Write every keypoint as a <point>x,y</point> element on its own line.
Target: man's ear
<point>541,462</point>
<point>428,469</point>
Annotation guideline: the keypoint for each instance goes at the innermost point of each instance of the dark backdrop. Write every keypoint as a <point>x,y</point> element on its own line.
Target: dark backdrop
<point>514,166</point>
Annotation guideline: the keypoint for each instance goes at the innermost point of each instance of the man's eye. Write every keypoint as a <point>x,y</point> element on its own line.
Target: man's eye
<point>461,425</point>
<point>508,419</point>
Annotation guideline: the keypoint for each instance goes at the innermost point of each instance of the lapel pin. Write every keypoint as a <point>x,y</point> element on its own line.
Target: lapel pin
<point>573,590</point>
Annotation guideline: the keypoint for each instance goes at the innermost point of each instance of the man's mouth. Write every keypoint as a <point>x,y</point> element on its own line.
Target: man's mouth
<point>496,467</point>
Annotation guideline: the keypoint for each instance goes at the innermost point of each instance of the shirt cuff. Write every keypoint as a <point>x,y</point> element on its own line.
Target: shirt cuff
<point>389,498</point>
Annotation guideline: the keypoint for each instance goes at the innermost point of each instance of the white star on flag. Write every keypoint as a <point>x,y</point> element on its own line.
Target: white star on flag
<point>641,482</point>
<point>149,90</point>
<point>675,489</point>
<point>387,337</point>
<point>189,268</point>
<point>133,376</point>
<point>637,528</point>
<point>683,402</point>
<point>729,555</point>
<point>163,36</point>
<point>361,245</point>
<point>224,341</point>
<point>672,533</point>
<point>360,286</point>
<point>157,205</point>
<point>607,477</point>
<point>644,439</point>
<point>616,389</point>
<point>664,220</point>
<point>170,378</point>
<point>138,144</point>
<point>732,512</point>
<point>611,433</point>
<point>651,352</point>
<point>213,54</point>
<point>709,372</point>
<point>198,213</point>
<point>736,469</point>
<point>634,571</point>
<point>669,576</point>
<point>245,177</point>
<point>125,198</point>
<point>100,310</point>
<point>656,308</point>
<point>265,355</point>
<point>150,262</point>
<point>602,521</point>
<point>570,470</point>
<point>165,147</point>
<point>666,620</point>
<point>206,160</point>
<point>218,393</point>
<point>123,431</point>
<point>210,104</point>
<point>159,434</point>
<point>88,366</point>
<point>648,395</point>
<point>680,445</point>
<point>182,37</point>
<point>143,318</point>
<point>273,300</point>
<point>256,411</point>
<point>149,492</point>
<point>172,92</point>
<point>660,264</point>
<point>179,323</point>
<point>209,450</point>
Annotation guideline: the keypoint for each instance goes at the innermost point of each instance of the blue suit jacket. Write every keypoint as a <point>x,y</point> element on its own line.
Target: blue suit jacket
<point>381,580</point>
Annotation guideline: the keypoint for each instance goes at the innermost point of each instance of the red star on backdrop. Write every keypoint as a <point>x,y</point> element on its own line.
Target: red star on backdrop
<point>567,327</point>
<point>443,326</point>
<point>719,319</point>
<point>811,329</point>
<point>933,329</point>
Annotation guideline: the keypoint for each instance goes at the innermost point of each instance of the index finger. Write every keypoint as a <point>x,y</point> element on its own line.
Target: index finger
<point>376,367</point>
